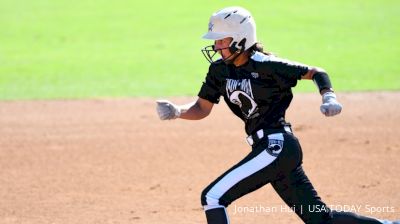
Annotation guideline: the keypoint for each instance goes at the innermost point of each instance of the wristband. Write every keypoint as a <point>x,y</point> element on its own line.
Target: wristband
<point>321,79</point>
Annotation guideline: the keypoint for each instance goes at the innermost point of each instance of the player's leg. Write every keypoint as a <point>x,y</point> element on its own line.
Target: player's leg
<point>254,171</point>
<point>212,197</point>
<point>297,191</point>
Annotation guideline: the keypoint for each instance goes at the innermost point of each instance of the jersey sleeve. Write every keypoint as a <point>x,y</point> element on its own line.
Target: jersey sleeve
<point>210,89</point>
<point>287,72</point>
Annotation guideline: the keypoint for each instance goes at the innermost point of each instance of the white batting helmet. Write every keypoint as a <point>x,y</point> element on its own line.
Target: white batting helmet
<point>235,22</point>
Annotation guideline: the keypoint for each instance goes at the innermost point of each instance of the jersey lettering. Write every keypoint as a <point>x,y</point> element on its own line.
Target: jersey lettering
<point>240,93</point>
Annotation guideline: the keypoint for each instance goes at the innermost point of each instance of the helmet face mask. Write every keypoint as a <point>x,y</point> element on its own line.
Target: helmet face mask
<point>209,52</point>
<point>234,22</point>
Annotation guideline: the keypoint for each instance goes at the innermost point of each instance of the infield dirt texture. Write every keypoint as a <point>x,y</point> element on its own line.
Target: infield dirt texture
<point>114,161</point>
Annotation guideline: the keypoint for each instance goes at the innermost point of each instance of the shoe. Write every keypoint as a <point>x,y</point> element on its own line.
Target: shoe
<point>390,222</point>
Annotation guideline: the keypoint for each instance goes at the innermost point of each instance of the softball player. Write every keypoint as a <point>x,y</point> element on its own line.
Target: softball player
<point>257,88</point>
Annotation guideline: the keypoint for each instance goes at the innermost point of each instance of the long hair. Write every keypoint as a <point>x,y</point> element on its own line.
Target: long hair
<point>259,47</point>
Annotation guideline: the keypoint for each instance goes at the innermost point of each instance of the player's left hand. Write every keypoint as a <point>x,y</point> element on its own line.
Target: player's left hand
<point>330,106</point>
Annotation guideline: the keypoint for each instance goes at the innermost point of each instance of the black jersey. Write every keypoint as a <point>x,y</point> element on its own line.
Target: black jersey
<point>258,92</point>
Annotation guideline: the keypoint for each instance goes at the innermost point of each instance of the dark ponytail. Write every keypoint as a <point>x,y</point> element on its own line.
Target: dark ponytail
<point>259,47</point>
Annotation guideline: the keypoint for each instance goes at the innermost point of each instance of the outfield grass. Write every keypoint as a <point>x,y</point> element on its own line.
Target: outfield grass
<point>98,48</point>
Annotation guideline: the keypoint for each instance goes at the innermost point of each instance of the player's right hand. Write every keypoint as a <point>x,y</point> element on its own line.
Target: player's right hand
<point>167,110</point>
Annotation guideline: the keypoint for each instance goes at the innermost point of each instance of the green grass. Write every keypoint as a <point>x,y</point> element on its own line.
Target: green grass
<point>98,48</point>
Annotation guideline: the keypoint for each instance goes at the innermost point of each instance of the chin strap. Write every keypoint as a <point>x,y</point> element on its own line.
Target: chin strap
<point>233,56</point>
<point>235,51</point>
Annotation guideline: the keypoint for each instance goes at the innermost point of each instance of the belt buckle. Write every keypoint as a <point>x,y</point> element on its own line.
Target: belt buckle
<point>259,135</point>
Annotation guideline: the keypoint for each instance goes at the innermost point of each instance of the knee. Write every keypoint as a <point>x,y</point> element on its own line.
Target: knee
<point>210,201</point>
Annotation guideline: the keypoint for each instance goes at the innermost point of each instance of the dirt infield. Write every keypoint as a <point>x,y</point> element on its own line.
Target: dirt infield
<point>114,161</point>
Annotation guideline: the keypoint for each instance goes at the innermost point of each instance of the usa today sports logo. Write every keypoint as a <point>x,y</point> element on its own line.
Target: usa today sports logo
<point>370,209</point>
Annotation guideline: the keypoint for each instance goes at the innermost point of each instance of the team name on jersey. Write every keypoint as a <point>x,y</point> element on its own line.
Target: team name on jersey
<point>241,84</point>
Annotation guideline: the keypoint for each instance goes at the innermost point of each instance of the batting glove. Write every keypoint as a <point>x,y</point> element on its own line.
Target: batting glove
<point>167,110</point>
<point>330,106</point>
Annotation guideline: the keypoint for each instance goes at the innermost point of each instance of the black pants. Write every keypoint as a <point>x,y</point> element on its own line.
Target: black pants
<point>276,159</point>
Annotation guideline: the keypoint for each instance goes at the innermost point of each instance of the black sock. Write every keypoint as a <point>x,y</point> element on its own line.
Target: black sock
<point>216,216</point>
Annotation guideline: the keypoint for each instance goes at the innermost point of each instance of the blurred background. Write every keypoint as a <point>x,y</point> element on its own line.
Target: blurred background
<point>96,48</point>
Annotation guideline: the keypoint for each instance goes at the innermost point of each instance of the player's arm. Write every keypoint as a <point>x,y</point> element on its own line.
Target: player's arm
<point>196,110</point>
<point>330,106</point>
<point>321,79</point>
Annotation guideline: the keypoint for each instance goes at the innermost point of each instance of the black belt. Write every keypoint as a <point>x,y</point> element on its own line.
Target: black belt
<point>262,133</point>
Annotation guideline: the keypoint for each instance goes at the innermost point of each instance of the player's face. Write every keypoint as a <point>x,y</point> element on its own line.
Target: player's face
<point>222,47</point>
